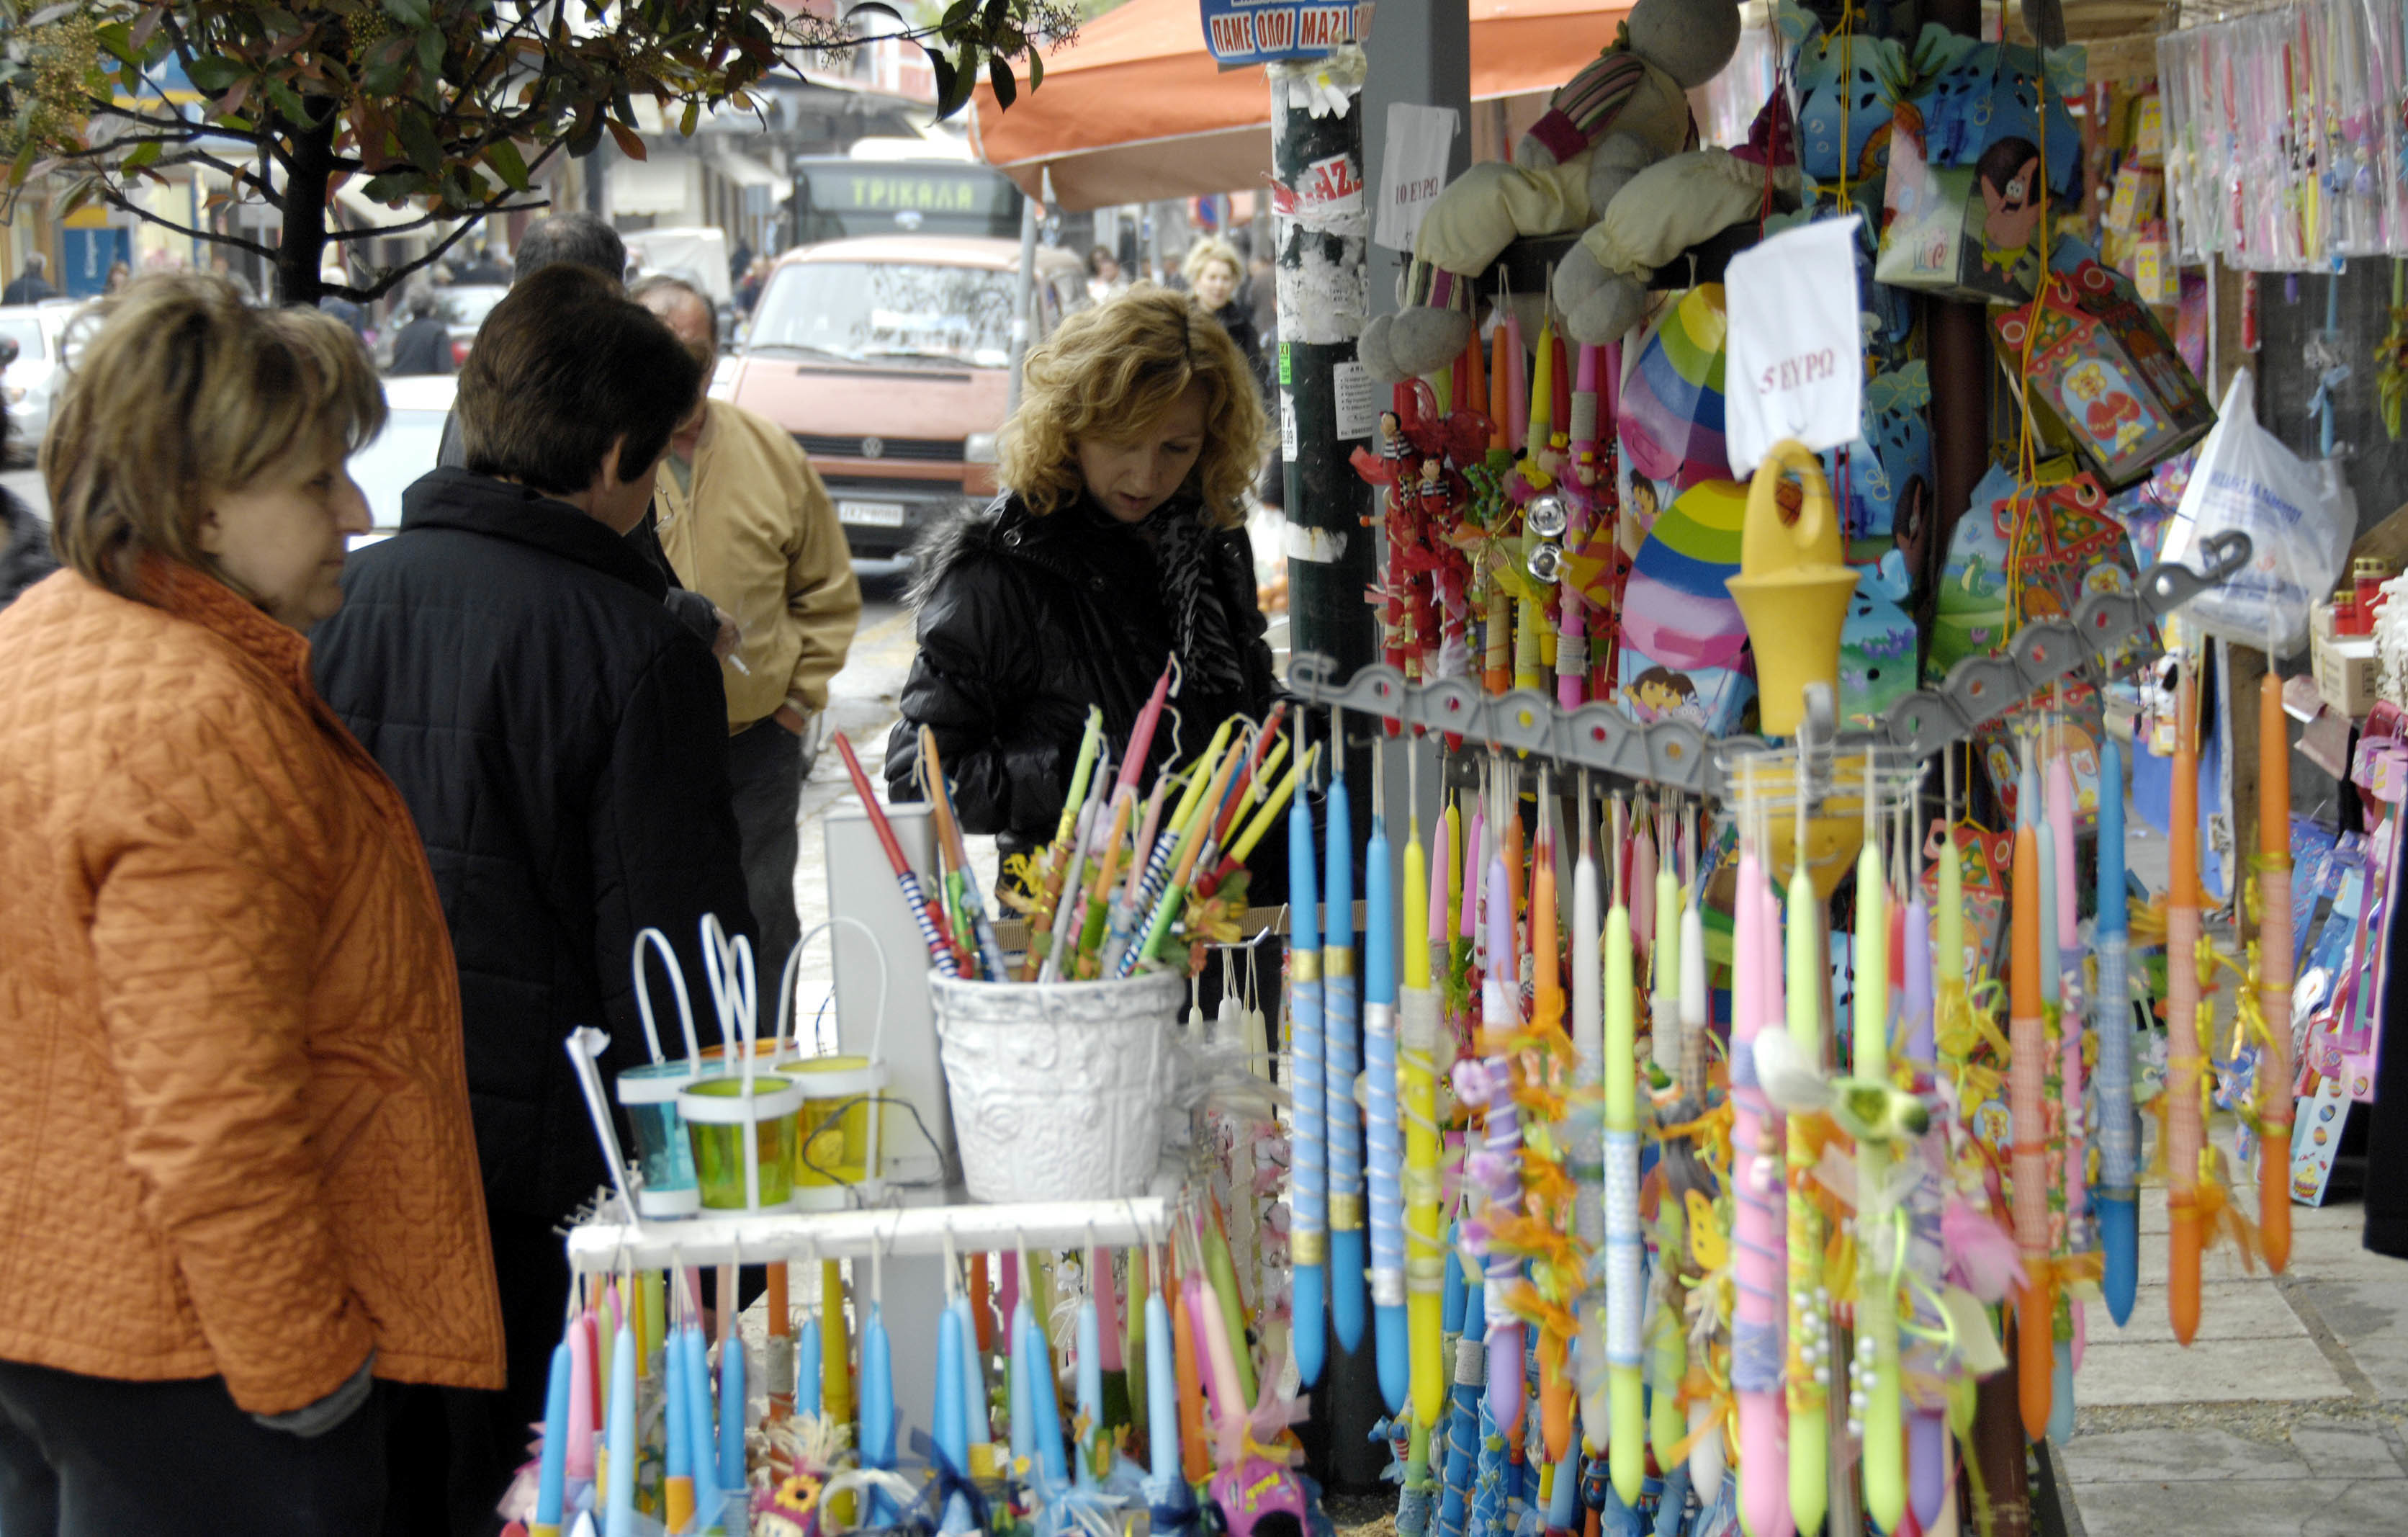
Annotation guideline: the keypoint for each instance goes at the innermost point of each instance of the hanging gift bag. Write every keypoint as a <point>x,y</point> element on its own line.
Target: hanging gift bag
<point>2300,518</point>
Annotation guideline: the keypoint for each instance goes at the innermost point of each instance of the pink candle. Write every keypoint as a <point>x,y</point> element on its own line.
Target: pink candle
<point>581,1388</point>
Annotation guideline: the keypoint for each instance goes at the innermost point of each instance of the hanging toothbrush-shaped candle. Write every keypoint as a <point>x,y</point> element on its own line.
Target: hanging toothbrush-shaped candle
<point>1383,1132</point>
<point>2185,1136</point>
<point>2275,965</point>
<point>1418,1033</point>
<point>1340,1017</point>
<point>2118,1135</point>
<point>1624,1297</point>
<point>2027,1068</point>
<point>1875,1400</point>
<point>1806,954</point>
<point>1486,1084</point>
<point>1307,1234</point>
<point>1756,1323</point>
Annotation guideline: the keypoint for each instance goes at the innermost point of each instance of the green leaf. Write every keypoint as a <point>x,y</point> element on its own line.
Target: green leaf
<point>504,157</point>
<point>944,72</point>
<point>391,187</point>
<point>214,72</point>
<point>966,72</point>
<point>287,101</point>
<point>143,154</point>
<point>1007,87</point>
<point>959,12</point>
<point>383,78</point>
<point>417,136</point>
<point>1036,67</point>
<point>409,13</point>
<point>687,120</point>
<point>430,54</point>
<point>118,39</point>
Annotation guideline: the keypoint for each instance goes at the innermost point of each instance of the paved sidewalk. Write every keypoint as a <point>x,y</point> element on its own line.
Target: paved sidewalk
<point>2284,1419</point>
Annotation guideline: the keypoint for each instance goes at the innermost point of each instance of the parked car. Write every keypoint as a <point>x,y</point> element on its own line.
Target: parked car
<point>464,307</point>
<point>31,380</point>
<point>415,407</point>
<point>888,358</point>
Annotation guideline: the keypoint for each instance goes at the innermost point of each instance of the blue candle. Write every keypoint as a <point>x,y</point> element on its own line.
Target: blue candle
<point>677,1451</point>
<point>1024,1410</point>
<point>977,1431</point>
<point>554,1462</point>
<point>1161,1392</point>
<point>2118,1137</point>
<point>619,1505</point>
<point>1046,1406</point>
<point>1308,1177</point>
<point>952,1426</point>
<point>876,1434</point>
<point>731,1409</point>
<point>807,1381</point>
<point>1341,1019</point>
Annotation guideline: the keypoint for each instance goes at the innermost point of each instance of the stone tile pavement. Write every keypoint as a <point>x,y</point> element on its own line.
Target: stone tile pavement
<point>2284,1419</point>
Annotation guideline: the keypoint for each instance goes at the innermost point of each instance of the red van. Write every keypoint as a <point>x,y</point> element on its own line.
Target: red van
<point>889,358</point>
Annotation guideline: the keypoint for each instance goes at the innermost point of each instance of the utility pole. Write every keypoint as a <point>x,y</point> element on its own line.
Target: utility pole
<point>1326,403</point>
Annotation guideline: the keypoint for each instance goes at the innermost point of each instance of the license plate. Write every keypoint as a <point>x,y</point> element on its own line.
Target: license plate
<point>874,514</point>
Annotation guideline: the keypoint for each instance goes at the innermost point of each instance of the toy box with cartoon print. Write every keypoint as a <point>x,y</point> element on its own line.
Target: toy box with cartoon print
<point>2104,378</point>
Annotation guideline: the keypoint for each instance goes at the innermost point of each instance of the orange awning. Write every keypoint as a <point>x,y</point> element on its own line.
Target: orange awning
<point>1136,109</point>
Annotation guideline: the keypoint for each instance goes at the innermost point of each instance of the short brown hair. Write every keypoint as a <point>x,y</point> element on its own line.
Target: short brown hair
<point>561,368</point>
<point>184,391</point>
<point>1115,369</point>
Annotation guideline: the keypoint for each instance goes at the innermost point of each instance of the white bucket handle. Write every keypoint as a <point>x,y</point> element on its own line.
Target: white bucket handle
<point>676,982</point>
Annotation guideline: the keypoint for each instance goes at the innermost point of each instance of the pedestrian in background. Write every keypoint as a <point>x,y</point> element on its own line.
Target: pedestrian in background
<point>1214,272</point>
<point>424,344</point>
<point>118,276</point>
<point>1121,543</point>
<point>235,1140</point>
<point>30,286</point>
<point>562,741</point>
<point>1104,278</point>
<point>743,520</point>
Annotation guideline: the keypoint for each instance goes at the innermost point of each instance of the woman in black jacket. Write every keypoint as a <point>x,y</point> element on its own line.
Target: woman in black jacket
<point>1121,545</point>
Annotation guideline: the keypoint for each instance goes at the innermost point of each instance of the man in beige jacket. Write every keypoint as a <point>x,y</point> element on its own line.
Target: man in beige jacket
<point>744,521</point>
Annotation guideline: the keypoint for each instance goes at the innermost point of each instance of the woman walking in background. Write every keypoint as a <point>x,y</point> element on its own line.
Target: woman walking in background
<point>234,1142</point>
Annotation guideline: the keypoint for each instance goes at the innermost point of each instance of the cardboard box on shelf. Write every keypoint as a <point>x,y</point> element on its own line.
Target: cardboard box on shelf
<point>2347,673</point>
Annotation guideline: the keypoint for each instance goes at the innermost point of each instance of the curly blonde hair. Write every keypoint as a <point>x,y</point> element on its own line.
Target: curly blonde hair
<point>182,392</point>
<point>1208,251</point>
<point>1113,371</point>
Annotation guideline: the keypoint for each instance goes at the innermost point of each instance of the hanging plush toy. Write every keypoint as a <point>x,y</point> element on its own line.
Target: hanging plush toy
<point>1623,113</point>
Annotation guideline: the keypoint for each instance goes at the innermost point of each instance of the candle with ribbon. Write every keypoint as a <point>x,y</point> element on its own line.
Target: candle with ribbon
<point>2274,966</point>
<point>1307,1234</point>
<point>1624,1298</point>
<point>1553,1346</point>
<point>1880,1246</point>
<point>2185,1135</point>
<point>1488,1084</point>
<point>1383,1134</point>
<point>2118,1135</point>
<point>1340,1017</point>
<point>2028,1044</point>
<point>1927,1409</point>
<point>1417,1044</point>
<point>1756,1181</point>
<point>951,1414</point>
<point>1805,954</point>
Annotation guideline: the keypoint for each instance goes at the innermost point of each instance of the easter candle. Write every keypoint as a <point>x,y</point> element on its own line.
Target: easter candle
<point>2035,1327</point>
<point>2185,1134</point>
<point>1417,1041</point>
<point>619,1433</point>
<point>2275,971</point>
<point>2118,1135</point>
<point>551,1468</point>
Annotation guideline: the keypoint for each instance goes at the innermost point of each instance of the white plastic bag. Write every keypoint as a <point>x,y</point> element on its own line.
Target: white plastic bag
<point>2300,517</point>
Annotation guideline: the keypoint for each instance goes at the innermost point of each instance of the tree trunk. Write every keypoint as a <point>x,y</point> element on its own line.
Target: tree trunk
<point>304,243</point>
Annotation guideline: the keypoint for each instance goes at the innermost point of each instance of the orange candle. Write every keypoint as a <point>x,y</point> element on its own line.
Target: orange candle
<point>2274,970</point>
<point>1194,1457</point>
<point>980,1319</point>
<point>2036,1304</point>
<point>2185,1133</point>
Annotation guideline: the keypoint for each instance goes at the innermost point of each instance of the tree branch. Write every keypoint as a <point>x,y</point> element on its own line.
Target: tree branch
<point>119,201</point>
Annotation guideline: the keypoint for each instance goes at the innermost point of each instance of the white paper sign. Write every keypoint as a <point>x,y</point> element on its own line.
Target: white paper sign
<point>1796,361</point>
<point>1413,169</point>
<point>1358,400</point>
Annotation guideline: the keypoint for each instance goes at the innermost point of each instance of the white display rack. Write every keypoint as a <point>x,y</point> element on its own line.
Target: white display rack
<point>612,1243</point>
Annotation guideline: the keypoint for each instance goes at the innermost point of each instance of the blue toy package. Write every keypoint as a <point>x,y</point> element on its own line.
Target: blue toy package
<point>1979,104</point>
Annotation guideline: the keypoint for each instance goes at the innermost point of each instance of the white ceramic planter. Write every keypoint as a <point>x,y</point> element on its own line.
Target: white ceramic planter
<point>1058,1088</point>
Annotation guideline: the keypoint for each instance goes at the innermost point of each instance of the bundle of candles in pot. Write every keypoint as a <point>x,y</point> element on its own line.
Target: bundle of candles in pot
<point>1136,874</point>
<point>1136,1395</point>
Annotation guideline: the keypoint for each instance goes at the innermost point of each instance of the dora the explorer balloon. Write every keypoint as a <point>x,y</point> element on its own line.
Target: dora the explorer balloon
<point>1626,111</point>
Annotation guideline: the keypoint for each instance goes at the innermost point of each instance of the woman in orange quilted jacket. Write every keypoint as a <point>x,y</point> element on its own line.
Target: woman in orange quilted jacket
<point>237,1173</point>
